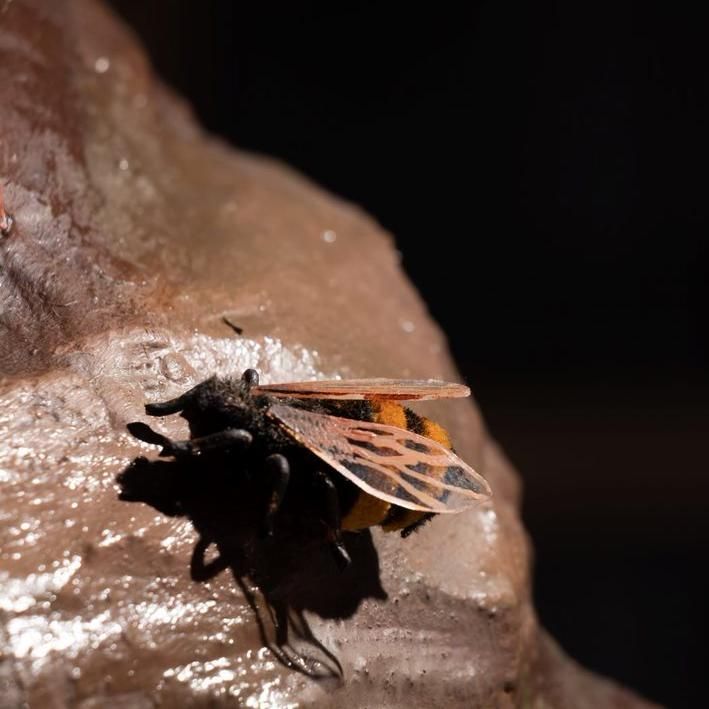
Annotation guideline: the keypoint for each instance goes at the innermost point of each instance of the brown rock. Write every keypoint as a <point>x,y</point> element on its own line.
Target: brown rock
<point>134,235</point>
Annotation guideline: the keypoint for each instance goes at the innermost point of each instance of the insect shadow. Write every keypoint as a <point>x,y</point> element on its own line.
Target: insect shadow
<point>292,568</point>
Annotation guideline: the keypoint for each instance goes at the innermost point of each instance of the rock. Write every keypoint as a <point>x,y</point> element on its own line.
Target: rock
<point>134,235</point>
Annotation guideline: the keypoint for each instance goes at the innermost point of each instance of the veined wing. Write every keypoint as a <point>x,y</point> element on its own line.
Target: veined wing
<point>390,463</point>
<point>389,389</point>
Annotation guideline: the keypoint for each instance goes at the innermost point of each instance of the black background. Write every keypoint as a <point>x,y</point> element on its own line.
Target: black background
<point>563,148</point>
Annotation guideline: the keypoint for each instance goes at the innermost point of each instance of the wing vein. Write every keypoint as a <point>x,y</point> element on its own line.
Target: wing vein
<point>393,464</point>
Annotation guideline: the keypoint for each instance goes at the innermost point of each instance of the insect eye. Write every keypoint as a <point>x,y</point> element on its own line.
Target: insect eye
<point>250,378</point>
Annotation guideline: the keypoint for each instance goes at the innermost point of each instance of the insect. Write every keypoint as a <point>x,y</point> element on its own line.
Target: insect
<point>373,461</point>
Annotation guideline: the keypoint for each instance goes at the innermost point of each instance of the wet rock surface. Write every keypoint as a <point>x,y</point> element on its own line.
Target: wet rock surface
<point>134,234</point>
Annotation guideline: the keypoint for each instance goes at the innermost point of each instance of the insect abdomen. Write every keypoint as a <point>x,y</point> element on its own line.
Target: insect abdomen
<point>369,511</point>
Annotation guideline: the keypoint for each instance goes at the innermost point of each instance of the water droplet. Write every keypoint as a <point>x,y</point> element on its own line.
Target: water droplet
<point>329,236</point>
<point>407,325</point>
<point>123,164</point>
<point>102,65</point>
<point>173,366</point>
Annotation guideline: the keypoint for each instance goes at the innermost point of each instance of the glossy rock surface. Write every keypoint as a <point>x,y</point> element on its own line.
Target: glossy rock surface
<point>134,234</point>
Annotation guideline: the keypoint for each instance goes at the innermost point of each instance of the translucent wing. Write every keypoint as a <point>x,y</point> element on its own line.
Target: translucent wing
<point>390,389</point>
<point>391,463</point>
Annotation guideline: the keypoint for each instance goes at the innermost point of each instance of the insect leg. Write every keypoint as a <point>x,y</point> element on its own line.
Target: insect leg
<point>144,433</point>
<point>201,570</point>
<point>416,525</point>
<point>333,521</point>
<point>279,471</point>
<point>229,438</point>
<point>280,622</point>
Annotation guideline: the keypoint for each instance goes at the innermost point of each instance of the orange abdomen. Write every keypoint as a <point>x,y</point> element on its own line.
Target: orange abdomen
<point>369,511</point>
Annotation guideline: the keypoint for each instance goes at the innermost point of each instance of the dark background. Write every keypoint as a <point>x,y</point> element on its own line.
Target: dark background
<point>563,147</point>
